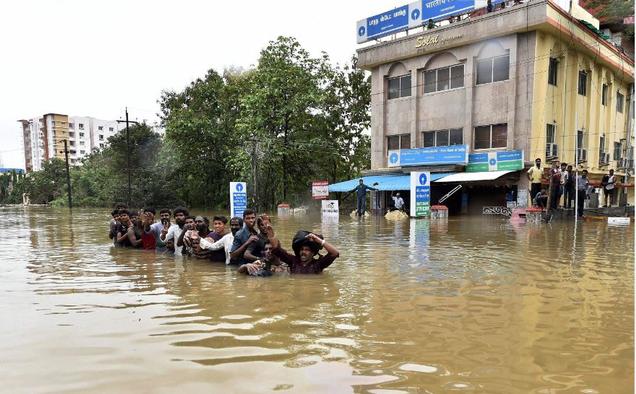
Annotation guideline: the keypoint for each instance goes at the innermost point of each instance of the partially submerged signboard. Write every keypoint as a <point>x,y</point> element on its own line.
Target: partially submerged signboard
<point>320,190</point>
<point>238,198</point>
<point>420,193</point>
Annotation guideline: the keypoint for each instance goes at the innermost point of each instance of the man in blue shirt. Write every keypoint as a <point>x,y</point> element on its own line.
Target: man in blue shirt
<point>361,193</point>
<point>244,237</point>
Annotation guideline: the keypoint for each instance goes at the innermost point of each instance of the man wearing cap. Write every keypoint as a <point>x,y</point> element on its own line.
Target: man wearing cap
<point>306,246</point>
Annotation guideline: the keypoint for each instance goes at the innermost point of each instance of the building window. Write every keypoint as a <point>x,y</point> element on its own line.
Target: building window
<point>443,137</point>
<point>602,159</point>
<point>101,145</point>
<point>100,128</point>
<point>604,95</point>
<point>82,143</point>
<point>582,83</point>
<point>81,134</point>
<point>399,86</point>
<point>101,137</point>
<point>395,142</point>
<point>581,146</point>
<point>551,148</point>
<point>492,136</point>
<point>71,125</point>
<point>82,152</point>
<point>552,71</point>
<point>72,143</point>
<point>618,151</point>
<point>444,78</point>
<point>81,126</point>
<point>110,129</point>
<point>71,134</point>
<point>493,69</point>
<point>619,102</point>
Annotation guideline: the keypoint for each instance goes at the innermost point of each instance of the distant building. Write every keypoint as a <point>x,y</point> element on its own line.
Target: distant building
<point>44,137</point>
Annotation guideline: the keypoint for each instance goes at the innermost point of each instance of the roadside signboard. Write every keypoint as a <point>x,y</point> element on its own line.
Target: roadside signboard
<point>509,160</point>
<point>320,190</point>
<point>238,198</point>
<point>330,208</point>
<point>420,193</point>
<point>436,155</point>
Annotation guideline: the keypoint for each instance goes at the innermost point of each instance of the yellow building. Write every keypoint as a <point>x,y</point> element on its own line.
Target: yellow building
<point>583,100</point>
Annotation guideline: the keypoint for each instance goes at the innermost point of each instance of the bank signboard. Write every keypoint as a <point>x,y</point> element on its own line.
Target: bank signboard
<point>435,155</point>
<point>441,9</point>
<point>420,193</point>
<point>389,22</point>
<point>509,160</point>
<point>238,198</point>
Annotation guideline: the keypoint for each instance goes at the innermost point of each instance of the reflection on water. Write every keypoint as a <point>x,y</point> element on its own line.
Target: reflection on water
<point>474,304</point>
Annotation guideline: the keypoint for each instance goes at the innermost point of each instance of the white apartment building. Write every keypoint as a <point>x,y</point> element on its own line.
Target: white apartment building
<point>44,137</point>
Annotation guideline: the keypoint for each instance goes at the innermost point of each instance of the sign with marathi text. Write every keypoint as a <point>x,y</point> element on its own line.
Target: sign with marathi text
<point>436,155</point>
<point>398,19</point>
<point>319,190</point>
<point>238,198</point>
<point>420,193</point>
<point>509,160</point>
<point>441,9</point>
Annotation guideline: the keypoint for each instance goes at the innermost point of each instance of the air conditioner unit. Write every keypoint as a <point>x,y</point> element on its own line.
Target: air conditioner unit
<point>551,150</point>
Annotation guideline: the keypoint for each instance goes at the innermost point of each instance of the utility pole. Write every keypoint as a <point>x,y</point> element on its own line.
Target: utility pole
<point>68,176</point>
<point>128,157</point>
<point>128,152</point>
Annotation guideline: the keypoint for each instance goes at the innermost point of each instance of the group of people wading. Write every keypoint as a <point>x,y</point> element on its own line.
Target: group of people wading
<point>250,244</point>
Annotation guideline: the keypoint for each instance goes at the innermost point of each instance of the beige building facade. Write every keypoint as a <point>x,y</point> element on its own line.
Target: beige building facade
<point>529,78</point>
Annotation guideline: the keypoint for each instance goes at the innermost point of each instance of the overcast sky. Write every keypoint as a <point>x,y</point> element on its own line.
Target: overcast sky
<point>92,58</point>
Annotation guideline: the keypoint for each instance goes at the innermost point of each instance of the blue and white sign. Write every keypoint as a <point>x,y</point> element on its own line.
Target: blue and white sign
<point>238,198</point>
<point>508,160</point>
<point>420,193</point>
<point>442,9</point>
<point>436,155</point>
<point>394,158</point>
<point>389,22</point>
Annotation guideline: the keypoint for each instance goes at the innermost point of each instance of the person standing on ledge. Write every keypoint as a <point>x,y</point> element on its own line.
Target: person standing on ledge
<point>361,194</point>
<point>534,176</point>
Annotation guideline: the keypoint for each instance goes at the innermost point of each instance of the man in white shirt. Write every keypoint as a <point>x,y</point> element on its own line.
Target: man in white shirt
<point>398,201</point>
<point>171,236</point>
<point>226,241</point>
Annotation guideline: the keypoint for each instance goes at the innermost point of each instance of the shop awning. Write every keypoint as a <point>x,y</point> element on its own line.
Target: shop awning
<point>384,182</point>
<point>473,176</point>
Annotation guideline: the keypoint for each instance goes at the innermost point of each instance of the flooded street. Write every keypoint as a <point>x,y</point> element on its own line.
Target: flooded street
<point>475,305</point>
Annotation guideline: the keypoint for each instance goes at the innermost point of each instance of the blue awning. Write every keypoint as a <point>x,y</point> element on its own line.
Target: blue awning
<point>384,182</point>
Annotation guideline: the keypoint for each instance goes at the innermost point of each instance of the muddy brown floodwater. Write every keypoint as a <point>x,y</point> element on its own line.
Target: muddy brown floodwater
<point>475,305</point>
